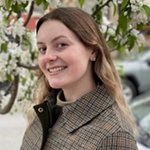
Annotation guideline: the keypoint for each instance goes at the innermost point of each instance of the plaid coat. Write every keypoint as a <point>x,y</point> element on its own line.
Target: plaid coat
<point>93,122</point>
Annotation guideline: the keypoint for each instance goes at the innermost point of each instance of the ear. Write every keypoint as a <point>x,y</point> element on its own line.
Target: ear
<point>93,55</point>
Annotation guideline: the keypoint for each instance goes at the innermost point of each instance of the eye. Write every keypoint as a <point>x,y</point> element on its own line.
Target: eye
<point>42,49</point>
<point>62,45</point>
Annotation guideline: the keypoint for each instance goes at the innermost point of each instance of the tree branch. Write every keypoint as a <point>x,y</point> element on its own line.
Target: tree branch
<point>13,93</point>
<point>10,12</point>
<point>8,88</point>
<point>106,32</point>
<point>30,14</point>
<point>97,10</point>
<point>28,67</point>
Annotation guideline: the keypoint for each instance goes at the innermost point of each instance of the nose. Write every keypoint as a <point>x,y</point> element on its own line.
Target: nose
<point>50,56</point>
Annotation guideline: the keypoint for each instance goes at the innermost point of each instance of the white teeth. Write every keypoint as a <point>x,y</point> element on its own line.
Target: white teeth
<point>56,69</point>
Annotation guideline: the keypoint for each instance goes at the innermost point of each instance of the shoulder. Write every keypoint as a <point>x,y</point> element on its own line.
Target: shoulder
<point>117,132</point>
<point>32,134</point>
<point>112,120</point>
<point>120,140</point>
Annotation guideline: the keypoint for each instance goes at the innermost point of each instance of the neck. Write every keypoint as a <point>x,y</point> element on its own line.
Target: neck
<point>78,90</point>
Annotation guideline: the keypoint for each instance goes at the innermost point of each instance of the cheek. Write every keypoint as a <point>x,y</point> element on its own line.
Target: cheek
<point>78,66</point>
<point>41,63</point>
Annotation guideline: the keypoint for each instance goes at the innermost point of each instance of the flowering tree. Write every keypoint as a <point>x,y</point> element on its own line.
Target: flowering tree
<point>18,53</point>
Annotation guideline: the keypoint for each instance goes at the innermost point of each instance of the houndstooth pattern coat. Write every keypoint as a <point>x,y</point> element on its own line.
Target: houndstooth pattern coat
<point>93,122</point>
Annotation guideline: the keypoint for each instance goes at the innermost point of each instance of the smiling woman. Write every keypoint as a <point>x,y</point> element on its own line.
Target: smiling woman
<point>80,103</point>
<point>64,60</point>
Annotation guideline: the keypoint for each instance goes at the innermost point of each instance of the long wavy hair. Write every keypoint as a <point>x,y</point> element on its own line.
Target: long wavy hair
<point>83,25</point>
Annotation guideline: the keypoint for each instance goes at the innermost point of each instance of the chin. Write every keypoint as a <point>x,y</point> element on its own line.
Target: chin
<point>55,85</point>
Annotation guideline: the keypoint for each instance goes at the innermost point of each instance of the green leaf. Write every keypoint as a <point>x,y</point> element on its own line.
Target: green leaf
<point>117,31</point>
<point>112,43</point>
<point>45,5</point>
<point>140,26</point>
<point>120,69</point>
<point>24,5</point>
<point>7,4</point>
<point>141,47</point>
<point>98,16</point>
<point>124,4</point>
<point>9,78</point>
<point>16,8</point>
<point>9,58</point>
<point>146,10</point>
<point>122,49</point>
<point>32,76</point>
<point>115,8</point>
<point>81,2</point>
<point>38,2</point>
<point>4,47</point>
<point>33,56</point>
<point>131,42</point>
<point>19,59</point>
<point>123,22</point>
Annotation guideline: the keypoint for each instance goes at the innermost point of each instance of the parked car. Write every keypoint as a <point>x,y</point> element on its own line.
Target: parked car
<point>136,75</point>
<point>142,147</point>
<point>140,108</point>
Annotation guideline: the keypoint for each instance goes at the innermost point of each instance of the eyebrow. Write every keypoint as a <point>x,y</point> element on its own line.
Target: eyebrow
<point>56,38</point>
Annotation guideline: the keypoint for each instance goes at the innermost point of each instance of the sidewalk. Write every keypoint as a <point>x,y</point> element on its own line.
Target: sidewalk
<point>12,128</point>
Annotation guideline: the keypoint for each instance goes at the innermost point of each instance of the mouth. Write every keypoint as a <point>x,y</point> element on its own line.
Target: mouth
<point>56,69</point>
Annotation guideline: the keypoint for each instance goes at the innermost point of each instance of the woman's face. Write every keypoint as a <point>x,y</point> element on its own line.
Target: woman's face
<point>63,59</point>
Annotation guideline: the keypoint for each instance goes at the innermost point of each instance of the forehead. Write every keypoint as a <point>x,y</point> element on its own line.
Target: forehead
<point>53,28</point>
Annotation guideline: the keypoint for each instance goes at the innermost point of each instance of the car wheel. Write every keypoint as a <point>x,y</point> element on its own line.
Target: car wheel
<point>129,89</point>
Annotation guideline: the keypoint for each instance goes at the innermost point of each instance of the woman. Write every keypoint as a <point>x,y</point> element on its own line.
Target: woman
<point>80,105</point>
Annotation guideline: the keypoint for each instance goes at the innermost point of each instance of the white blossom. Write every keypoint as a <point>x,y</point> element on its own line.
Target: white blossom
<point>140,37</point>
<point>16,28</point>
<point>2,2</point>
<point>106,23</point>
<point>125,13</point>
<point>135,8</point>
<point>3,62</point>
<point>12,45</point>
<point>21,1</point>
<point>123,40</point>
<point>3,26</point>
<point>115,1</point>
<point>138,16</point>
<point>28,86</point>
<point>54,3</point>
<point>3,37</point>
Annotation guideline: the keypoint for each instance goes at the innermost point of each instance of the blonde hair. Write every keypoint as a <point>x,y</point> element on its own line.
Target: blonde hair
<point>88,32</point>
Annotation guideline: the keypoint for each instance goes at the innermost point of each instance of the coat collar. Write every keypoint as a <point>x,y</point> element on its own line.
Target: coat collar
<point>86,108</point>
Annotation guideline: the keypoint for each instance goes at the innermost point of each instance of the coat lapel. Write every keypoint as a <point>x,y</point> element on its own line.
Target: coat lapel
<point>86,108</point>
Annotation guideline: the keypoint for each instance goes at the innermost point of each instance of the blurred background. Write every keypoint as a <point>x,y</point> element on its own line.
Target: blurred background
<point>124,25</point>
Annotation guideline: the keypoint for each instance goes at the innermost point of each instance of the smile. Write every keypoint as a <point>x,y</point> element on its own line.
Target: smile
<point>53,70</point>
